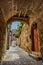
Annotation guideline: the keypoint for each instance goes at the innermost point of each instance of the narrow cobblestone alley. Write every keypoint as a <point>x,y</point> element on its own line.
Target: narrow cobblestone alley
<point>17,56</point>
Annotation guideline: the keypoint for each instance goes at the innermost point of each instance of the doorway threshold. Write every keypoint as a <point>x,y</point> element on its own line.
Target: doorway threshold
<point>36,55</point>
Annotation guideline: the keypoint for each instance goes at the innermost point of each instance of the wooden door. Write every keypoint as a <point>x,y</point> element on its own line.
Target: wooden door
<point>36,40</point>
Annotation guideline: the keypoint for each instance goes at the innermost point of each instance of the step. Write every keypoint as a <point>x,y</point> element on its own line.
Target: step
<point>36,55</point>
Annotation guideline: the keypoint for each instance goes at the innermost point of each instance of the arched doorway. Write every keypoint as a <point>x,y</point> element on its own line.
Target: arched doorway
<point>35,38</point>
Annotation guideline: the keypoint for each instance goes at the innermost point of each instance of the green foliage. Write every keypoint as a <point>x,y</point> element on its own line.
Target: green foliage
<point>19,29</point>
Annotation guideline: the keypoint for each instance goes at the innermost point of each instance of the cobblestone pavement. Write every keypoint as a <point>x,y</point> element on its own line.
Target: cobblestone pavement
<point>17,56</point>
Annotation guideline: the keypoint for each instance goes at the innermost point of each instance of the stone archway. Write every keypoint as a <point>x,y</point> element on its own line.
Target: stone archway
<point>40,33</point>
<point>10,8</point>
<point>20,19</point>
<point>4,29</point>
<point>38,24</point>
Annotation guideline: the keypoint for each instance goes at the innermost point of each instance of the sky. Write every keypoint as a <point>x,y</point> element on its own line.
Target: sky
<point>14,25</point>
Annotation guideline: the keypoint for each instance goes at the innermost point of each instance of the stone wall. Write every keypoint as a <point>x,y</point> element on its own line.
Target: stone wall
<point>25,39</point>
<point>2,39</point>
<point>2,35</point>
